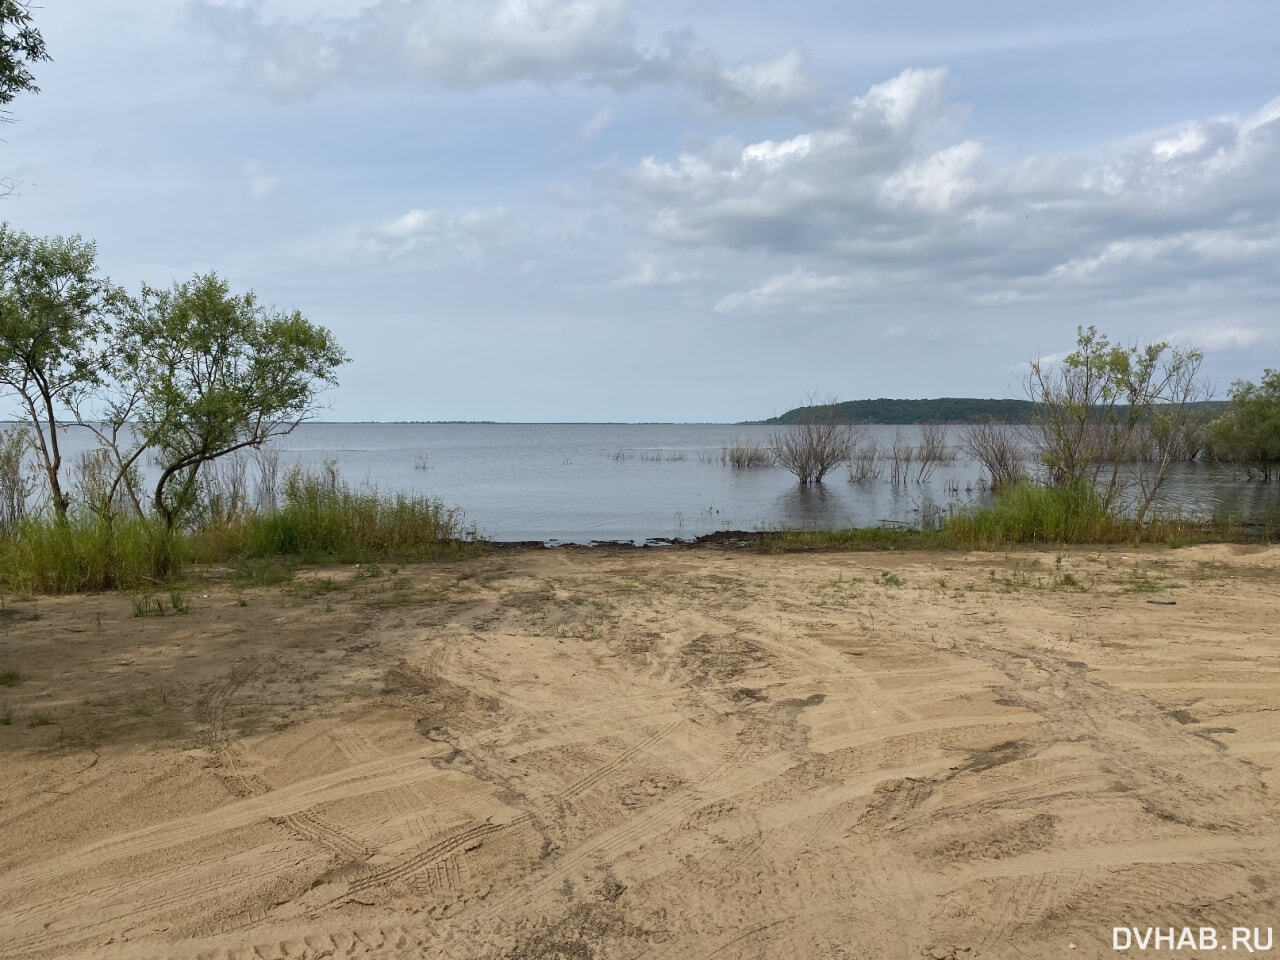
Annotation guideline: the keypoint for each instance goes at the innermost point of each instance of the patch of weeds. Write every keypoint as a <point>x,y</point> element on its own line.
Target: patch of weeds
<point>888,579</point>
<point>147,605</point>
<point>368,571</point>
<point>10,678</point>
<point>1141,583</point>
<point>40,719</point>
<point>177,602</point>
<point>6,716</point>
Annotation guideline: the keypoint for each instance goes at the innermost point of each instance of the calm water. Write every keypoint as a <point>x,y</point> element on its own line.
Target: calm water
<point>575,483</point>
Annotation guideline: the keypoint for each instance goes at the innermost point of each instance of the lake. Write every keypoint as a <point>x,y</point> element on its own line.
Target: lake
<point>578,483</point>
<point>585,482</point>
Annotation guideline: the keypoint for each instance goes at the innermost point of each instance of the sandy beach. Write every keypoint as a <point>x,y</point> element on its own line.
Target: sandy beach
<point>673,753</point>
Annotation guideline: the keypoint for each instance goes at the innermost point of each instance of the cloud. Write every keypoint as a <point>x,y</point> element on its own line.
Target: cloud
<point>654,272</point>
<point>591,128</point>
<point>443,44</point>
<point>888,189</point>
<point>798,286</point>
<point>1214,339</point>
<point>418,239</point>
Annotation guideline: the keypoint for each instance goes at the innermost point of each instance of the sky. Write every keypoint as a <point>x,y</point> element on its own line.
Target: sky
<point>602,210</point>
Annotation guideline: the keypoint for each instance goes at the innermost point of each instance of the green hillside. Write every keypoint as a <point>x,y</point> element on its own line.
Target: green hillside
<point>939,410</point>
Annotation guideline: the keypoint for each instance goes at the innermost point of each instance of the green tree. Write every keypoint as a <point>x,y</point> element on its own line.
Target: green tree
<point>21,45</point>
<point>206,373</point>
<point>55,315</point>
<point>1249,432</point>
<point>1109,416</point>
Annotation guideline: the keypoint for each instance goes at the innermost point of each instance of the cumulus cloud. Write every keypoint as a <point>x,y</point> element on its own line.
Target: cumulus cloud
<point>477,43</point>
<point>889,189</point>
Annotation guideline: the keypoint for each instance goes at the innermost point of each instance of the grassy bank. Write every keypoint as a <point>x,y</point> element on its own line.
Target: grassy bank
<point>320,519</point>
<point>1029,514</point>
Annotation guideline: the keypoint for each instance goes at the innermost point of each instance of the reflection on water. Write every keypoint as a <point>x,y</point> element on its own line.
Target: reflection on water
<point>584,482</point>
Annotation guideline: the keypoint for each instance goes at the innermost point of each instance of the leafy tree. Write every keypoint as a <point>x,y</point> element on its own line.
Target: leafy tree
<point>55,313</point>
<point>207,372</point>
<point>1109,416</point>
<point>20,46</point>
<point>1249,432</point>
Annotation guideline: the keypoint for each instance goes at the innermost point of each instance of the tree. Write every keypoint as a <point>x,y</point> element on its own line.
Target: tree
<point>1249,432</point>
<point>206,373</point>
<point>20,45</point>
<point>814,445</point>
<point>55,314</point>
<point>1108,415</point>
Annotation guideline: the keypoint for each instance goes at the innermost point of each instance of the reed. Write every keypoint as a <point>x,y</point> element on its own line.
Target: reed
<point>747,455</point>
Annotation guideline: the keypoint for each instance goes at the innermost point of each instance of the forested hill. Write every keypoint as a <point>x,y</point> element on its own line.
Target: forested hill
<point>940,410</point>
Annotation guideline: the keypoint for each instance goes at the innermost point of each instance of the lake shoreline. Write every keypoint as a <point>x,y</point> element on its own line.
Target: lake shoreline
<point>584,751</point>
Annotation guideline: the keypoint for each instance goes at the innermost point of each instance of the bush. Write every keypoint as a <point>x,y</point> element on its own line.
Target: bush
<point>1025,513</point>
<point>746,455</point>
<point>999,450</point>
<point>811,448</point>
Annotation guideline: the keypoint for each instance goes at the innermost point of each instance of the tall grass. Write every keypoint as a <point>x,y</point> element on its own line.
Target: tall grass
<point>747,455</point>
<point>46,555</point>
<point>1032,514</point>
<point>320,518</point>
<point>1029,514</point>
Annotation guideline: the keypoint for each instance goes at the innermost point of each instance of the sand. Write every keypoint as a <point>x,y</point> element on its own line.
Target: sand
<point>649,754</point>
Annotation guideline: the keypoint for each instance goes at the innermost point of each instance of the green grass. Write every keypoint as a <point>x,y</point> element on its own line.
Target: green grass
<point>1028,514</point>
<point>322,519</point>
<point>10,678</point>
<point>44,555</point>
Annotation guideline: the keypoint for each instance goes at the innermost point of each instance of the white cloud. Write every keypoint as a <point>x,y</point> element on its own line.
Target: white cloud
<point>416,239</point>
<point>940,182</point>
<point>790,288</point>
<point>872,193</point>
<point>1214,339</point>
<point>446,44</point>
